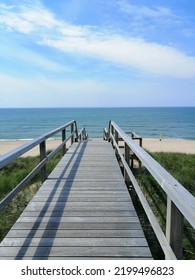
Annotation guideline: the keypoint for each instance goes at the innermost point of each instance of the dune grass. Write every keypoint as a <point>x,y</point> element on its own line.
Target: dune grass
<point>10,176</point>
<point>14,172</point>
<point>181,166</point>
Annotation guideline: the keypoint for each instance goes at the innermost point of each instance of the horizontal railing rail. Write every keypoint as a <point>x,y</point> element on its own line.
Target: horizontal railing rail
<point>73,136</point>
<point>180,203</point>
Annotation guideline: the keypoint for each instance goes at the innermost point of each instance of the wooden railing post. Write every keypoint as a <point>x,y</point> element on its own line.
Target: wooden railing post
<point>139,161</point>
<point>84,134</point>
<point>112,131</point>
<point>43,154</point>
<point>63,139</point>
<point>76,133</point>
<point>116,139</point>
<point>174,228</point>
<point>72,130</point>
<point>132,160</point>
<point>116,136</point>
<point>127,158</point>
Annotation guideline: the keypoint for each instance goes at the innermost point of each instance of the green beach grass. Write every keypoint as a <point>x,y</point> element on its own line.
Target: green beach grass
<point>182,167</point>
<point>10,176</point>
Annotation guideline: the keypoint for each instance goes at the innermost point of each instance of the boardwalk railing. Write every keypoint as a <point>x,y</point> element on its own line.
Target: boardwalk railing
<point>180,203</point>
<point>68,131</point>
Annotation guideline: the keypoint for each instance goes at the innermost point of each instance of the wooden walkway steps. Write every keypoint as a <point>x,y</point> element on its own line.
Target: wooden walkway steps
<point>82,211</point>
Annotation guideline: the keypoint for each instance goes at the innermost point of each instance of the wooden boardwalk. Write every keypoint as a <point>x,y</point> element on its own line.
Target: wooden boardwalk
<point>82,211</point>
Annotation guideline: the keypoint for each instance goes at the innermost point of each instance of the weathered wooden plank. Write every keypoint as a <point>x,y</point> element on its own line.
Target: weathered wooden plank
<point>123,205</point>
<point>65,213</point>
<point>65,192</point>
<point>90,174</point>
<point>82,176</point>
<point>74,207</point>
<point>82,199</point>
<point>77,226</point>
<point>75,242</point>
<point>90,186</point>
<point>74,219</point>
<point>85,163</point>
<point>77,190</point>
<point>86,195</point>
<point>94,149</point>
<point>34,252</point>
<point>61,196</point>
<point>80,156</point>
<point>85,160</point>
<point>52,184</point>
<point>123,233</point>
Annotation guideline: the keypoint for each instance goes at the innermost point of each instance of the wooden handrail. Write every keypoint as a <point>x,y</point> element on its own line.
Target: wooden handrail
<point>41,141</point>
<point>180,201</point>
<point>9,157</point>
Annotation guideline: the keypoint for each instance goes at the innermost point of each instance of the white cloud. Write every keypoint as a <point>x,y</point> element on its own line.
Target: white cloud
<point>27,17</point>
<point>123,51</point>
<point>147,57</point>
<point>15,22</point>
<point>141,11</point>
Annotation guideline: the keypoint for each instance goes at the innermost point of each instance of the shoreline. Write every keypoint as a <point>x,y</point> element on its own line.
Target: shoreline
<point>151,145</point>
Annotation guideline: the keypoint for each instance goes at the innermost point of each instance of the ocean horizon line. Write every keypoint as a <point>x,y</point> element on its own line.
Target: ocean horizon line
<point>99,107</point>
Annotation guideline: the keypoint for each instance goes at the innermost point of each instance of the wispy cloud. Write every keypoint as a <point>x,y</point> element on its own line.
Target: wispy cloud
<point>115,48</point>
<point>152,20</point>
<point>31,18</point>
<point>143,11</point>
<point>26,17</point>
<point>130,52</point>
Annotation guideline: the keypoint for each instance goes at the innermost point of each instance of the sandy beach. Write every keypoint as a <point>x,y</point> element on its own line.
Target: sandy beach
<point>152,145</point>
<point>169,145</point>
<point>7,146</point>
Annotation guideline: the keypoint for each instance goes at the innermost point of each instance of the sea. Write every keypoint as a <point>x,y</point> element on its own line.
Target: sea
<point>154,123</point>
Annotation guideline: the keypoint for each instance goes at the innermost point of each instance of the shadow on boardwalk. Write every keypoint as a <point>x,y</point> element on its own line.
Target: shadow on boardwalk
<point>41,248</point>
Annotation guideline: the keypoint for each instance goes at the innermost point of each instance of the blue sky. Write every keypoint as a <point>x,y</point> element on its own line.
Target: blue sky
<point>97,53</point>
